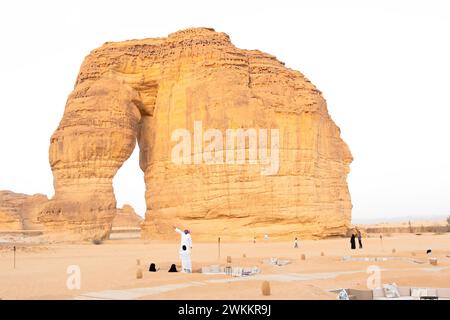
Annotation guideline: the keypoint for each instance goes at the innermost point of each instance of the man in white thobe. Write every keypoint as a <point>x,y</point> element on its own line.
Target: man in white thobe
<point>185,250</point>
<point>185,239</point>
<point>185,256</point>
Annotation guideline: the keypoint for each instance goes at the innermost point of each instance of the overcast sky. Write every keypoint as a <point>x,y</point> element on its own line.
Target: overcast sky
<point>383,67</point>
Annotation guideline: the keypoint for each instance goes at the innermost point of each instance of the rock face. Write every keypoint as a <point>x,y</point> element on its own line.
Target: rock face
<point>147,89</point>
<point>96,135</point>
<point>20,211</point>
<point>126,217</point>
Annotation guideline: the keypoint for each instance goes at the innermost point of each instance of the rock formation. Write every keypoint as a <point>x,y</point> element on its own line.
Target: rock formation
<point>147,89</point>
<point>126,217</point>
<point>20,211</point>
<point>96,135</point>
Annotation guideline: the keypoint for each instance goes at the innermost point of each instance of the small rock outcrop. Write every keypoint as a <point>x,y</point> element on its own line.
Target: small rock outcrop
<point>126,217</point>
<point>20,211</point>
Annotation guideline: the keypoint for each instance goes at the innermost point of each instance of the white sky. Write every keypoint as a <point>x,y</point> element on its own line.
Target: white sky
<point>383,66</point>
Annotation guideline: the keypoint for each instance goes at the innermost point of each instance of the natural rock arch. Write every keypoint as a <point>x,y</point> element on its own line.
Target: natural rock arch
<point>143,90</point>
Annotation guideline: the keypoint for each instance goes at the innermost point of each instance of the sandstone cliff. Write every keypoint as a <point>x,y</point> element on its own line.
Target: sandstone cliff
<point>147,89</point>
<point>20,211</point>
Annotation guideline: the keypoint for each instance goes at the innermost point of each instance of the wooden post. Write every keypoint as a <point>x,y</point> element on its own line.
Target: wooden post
<point>218,244</point>
<point>14,257</point>
<point>265,288</point>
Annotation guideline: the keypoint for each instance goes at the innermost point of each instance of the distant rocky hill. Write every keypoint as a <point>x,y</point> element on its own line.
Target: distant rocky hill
<point>413,226</point>
<point>20,211</point>
<point>126,217</point>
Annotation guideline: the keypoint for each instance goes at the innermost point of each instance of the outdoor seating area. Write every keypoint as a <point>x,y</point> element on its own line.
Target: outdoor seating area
<point>394,292</point>
<point>277,262</point>
<point>230,271</point>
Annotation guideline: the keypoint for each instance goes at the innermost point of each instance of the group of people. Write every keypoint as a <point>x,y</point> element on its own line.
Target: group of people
<point>186,247</point>
<point>152,268</point>
<point>356,235</point>
<point>185,253</point>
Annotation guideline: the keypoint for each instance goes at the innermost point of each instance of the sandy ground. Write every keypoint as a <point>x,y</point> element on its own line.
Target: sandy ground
<point>108,271</point>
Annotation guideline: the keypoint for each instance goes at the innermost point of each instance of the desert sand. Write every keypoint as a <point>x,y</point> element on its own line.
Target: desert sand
<point>108,270</point>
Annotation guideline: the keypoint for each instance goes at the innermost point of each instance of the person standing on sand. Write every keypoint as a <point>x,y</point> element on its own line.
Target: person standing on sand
<point>353,241</point>
<point>359,238</point>
<point>186,238</point>
<point>295,243</point>
<point>185,257</point>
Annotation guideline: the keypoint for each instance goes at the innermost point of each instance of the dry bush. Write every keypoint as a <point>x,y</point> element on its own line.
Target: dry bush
<point>97,241</point>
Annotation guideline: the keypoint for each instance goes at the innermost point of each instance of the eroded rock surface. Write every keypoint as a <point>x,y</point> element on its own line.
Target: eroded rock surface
<point>20,211</point>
